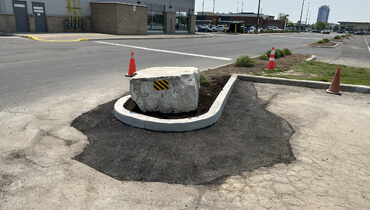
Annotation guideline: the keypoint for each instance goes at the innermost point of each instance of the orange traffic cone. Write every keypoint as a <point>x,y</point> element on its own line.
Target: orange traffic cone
<point>272,60</point>
<point>335,84</point>
<point>132,68</point>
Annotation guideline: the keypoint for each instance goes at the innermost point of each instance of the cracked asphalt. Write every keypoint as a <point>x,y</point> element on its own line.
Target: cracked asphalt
<point>331,171</point>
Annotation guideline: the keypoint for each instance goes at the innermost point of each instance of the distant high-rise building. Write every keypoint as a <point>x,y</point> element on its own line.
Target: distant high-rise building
<point>323,14</point>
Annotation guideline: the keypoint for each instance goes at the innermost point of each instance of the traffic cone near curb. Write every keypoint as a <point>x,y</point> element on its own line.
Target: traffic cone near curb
<point>272,60</point>
<point>335,84</point>
<point>132,67</point>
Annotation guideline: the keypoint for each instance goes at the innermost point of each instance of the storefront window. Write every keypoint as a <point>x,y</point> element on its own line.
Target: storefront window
<point>155,17</point>
<point>182,21</point>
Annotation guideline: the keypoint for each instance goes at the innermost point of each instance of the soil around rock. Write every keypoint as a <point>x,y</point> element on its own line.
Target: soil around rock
<point>217,78</point>
<point>246,137</point>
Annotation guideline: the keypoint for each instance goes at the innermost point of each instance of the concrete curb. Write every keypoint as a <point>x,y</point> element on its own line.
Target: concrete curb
<point>304,83</point>
<point>102,38</point>
<point>307,45</point>
<point>176,125</point>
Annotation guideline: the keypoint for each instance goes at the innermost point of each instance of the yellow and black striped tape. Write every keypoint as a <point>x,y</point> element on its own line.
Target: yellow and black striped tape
<point>160,85</point>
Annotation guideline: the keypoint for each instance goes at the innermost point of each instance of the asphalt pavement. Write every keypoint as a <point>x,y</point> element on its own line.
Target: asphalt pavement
<point>45,86</point>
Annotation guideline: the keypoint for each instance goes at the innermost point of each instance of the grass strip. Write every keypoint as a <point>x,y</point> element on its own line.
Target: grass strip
<point>318,71</point>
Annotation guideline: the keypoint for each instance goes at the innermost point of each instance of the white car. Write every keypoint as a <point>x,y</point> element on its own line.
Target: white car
<point>219,28</point>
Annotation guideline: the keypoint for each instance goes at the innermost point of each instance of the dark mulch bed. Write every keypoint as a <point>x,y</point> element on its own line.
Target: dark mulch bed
<point>217,79</point>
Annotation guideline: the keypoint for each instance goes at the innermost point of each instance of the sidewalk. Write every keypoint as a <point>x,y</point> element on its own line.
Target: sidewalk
<point>100,36</point>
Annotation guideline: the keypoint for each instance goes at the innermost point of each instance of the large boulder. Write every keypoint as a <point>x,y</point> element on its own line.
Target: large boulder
<point>166,89</point>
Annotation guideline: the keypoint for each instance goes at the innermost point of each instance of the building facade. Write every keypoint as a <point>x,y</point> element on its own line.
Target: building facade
<point>323,14</point>
<point>168,16</point>
<point>354,26</point>
<point>248,19</point>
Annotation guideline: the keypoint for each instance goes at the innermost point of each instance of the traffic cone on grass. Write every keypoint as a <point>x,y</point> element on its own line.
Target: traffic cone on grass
<point>335,84</point>
<point>272,60</point>
<point>132,67</point>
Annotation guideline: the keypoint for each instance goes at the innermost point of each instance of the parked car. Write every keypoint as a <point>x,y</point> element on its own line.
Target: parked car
<point>316,31</point>
<point>204,29</point>
<point>219,28</point>
<point>325,32</point>
<point>360,33</point>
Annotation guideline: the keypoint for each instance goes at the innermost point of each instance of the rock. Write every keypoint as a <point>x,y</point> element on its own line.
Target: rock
<point>180,95</point>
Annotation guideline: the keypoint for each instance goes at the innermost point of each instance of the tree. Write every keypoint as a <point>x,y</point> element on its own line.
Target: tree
<point>290,24</point>
<point>283,16</point>
<point>336,28</point>
<point>321,25</point>
<point>313,26</point>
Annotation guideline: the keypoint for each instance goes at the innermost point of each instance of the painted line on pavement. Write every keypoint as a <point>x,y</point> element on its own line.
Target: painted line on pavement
<point>45,40</point>
<point>165,51</point>
<point>298,37</point>
<point>368,47</point>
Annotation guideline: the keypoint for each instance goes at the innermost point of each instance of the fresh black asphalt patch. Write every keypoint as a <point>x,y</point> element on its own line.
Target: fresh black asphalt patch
<point>246,137</point>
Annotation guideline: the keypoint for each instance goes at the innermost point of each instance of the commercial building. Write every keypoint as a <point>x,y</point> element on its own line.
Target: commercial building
<point>248,19</point>
<point>323,14</point>
<point>354,26</point>
<point>118,16</point>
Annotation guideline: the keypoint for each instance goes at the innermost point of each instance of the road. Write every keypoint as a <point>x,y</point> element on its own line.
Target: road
<point>31,70</point>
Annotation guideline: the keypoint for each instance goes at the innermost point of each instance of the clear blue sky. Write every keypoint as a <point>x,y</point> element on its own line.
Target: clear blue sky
<point>340,10</point>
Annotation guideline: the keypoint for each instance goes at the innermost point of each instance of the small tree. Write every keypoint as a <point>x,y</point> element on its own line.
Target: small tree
<point>290,24</point>
<point>320,25</point>
<point>283,16</point>
<point>336,28</point>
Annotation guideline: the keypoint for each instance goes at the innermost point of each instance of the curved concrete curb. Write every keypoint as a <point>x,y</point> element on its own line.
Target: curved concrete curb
<point>44,40</point>
<point>178,125</point>
<point>312,58</point>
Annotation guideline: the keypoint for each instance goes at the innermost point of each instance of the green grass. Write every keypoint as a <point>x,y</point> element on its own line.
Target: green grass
<point>318,71</point>
<point>203,79</point>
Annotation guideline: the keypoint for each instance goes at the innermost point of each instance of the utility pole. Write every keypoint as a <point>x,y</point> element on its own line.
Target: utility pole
<point>258,15</point>
<point>237,6</point>
<point>242,6</point>
<point>308,9</point>
<point>300,20</point>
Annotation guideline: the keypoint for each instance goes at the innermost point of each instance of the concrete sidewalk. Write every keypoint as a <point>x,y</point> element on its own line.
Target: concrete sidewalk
<point>100,36</point>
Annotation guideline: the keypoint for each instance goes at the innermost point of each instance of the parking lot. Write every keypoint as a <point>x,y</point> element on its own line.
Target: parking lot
<point>44,91</point>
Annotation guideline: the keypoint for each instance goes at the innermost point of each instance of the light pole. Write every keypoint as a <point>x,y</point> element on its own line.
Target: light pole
<point>201,22</point>
<point>258,15</point>
<point>300,20</point>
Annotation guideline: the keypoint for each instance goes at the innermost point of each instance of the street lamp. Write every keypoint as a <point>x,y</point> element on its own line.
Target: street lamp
<point>258,15</point>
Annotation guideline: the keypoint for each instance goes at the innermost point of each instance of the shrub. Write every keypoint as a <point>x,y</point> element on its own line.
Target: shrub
<point>203,79</point>
<point>264,57</point>
<point>344,35</point>
<point>287,51</point>
<point>326,40</point>
<point>279,53</point>
<point>337,37</point>
<point>268,53</point>
<point>320,42</point>
<point>244,61</point>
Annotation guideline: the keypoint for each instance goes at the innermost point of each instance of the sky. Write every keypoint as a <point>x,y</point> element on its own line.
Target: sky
<point>340,10</point>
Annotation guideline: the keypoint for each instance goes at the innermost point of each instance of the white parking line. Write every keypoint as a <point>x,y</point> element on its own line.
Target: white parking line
<point>298,37</point>
<point>368,47</point>
<point>165,51</point>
